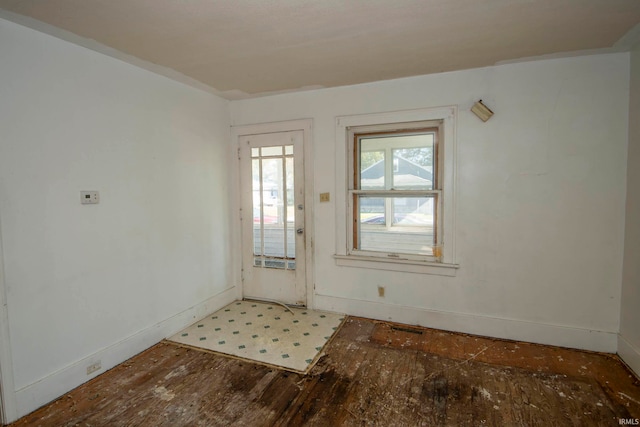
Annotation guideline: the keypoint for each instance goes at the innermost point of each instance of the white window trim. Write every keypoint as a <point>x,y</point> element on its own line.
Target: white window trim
<point>399,120</point>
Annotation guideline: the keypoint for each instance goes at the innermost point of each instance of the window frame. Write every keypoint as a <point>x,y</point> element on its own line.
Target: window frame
<point>346,128</point>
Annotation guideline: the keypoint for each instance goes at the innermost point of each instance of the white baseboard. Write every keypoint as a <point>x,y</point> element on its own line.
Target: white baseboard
<point>629,354</point>
<point>45,390</point>
<point>540,333</point>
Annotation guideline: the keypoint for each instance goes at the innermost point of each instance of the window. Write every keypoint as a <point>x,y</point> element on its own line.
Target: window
<point>395,192</point>
<point>398,171</point>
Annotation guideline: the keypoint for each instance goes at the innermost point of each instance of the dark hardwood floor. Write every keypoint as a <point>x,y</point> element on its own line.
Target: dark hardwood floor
<point>373,374</point>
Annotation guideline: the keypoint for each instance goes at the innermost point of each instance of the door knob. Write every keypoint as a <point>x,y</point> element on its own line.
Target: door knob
<point>300,230</point>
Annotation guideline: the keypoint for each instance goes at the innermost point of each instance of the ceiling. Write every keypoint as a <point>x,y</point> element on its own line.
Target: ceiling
<point>242,48</point>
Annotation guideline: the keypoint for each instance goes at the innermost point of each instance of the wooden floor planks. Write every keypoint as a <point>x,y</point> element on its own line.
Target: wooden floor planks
<point>373,374</point>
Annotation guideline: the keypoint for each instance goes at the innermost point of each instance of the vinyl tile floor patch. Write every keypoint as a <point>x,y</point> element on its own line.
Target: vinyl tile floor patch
<point>264,332</point>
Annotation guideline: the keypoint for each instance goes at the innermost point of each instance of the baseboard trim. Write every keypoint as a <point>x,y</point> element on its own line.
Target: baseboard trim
<point>540,333</point>
<point>49,388</point>
<point>629,354</point>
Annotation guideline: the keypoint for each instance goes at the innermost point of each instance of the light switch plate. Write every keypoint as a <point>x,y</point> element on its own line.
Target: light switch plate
<point>324,197</point>
<point>89,197</point>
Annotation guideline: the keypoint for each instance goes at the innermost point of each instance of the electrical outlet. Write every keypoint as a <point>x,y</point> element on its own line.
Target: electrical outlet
<point>381,291</point>
<point>95,366</point>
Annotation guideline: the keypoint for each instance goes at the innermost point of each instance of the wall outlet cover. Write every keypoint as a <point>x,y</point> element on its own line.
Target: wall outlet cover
<point>96,366</point>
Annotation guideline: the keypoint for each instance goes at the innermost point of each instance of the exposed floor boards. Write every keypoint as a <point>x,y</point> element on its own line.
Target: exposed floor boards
<point>373,373</point>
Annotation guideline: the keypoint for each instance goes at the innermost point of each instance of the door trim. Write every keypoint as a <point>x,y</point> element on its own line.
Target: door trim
<point>306,126</point>
<point>8,405</point>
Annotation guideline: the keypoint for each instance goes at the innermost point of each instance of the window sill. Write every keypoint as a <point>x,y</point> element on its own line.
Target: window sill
<point>421,267</point>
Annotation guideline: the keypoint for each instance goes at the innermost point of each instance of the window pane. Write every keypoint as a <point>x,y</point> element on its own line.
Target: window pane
<point>372,210</point>
<point>288,149</point>
<point>257,203</point>
<point>289,209</point>
<point>413,211</point>
<point>397,161</point>
<point>413,167</point>
<point>372,167</point>
<point>272,206</point>
<point>274,263</point>
<point>397,224</point>
<point>273,209</point>
<point>272,151</point>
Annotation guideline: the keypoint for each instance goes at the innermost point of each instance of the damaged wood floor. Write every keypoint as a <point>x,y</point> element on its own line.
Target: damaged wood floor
<point>373,373</point>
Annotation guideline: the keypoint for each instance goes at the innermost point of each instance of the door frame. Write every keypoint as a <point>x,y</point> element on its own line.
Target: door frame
<point>8,404</point>
<point>306,126</point>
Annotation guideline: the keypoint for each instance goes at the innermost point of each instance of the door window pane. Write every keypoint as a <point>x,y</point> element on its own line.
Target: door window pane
<point>289,210</point>
<point>272,151</point>
<point>273,208</point>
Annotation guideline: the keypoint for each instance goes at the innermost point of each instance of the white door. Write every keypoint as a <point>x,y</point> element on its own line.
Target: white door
<point>272,191</point>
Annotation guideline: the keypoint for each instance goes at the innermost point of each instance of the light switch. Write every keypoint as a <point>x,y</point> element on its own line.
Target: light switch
<point>324,197</point>
<point>89,197</point>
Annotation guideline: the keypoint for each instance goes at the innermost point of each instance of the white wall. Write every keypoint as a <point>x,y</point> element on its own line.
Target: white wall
<point>540,200</point>
<point>102,282</point>
<point>540,206</point>
<point>629,342</point>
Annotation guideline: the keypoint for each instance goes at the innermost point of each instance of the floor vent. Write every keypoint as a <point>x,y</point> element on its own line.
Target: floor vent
<point>409,330</point>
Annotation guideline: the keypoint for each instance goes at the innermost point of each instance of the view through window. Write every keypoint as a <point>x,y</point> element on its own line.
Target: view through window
<point>273,212</point>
